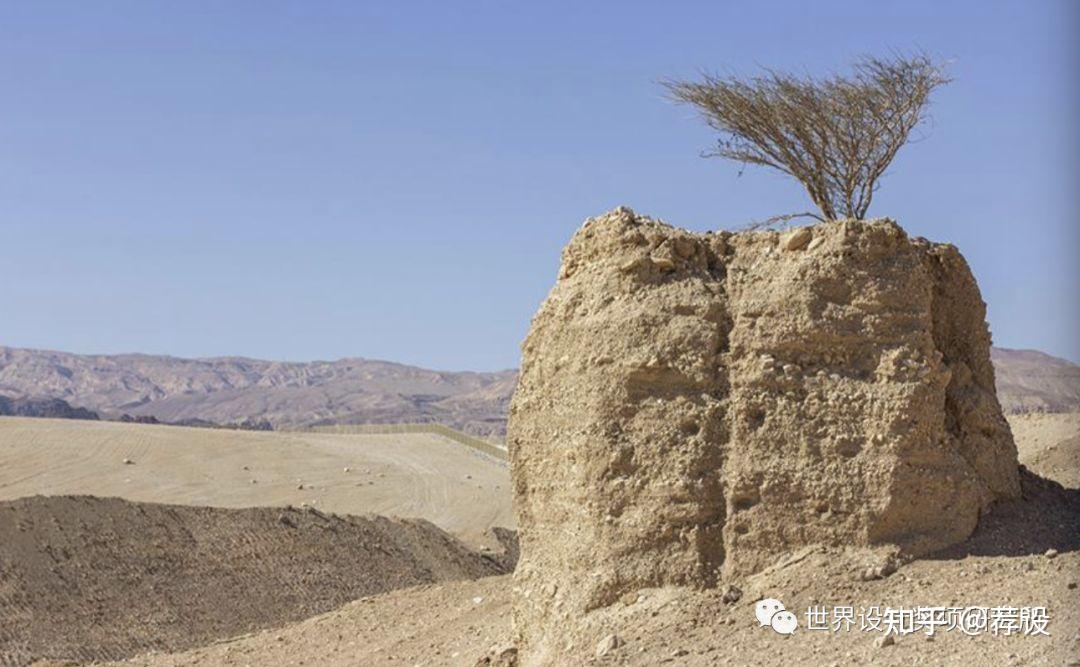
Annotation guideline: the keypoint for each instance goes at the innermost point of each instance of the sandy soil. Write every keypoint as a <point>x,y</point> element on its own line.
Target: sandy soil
<point>459,623</point>
<point>408,475</point>
<point>1049,444</point>
<point>86,577</point>
<point>1004,564</point>
<point>442,625</point>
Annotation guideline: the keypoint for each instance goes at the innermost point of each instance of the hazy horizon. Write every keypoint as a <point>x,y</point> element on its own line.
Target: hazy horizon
<point>293,182</point>
<point>347,358</point>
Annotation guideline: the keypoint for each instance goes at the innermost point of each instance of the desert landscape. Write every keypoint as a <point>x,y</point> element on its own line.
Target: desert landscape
<point>323,585</point>
<point>310,356</point>
<point>413,475</point>
<point>230,391</point>
<point>282,394</point>
<point>154,544</point>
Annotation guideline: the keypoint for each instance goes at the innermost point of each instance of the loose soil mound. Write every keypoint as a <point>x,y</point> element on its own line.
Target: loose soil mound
<point>460,623</point>
<point>89,578</point>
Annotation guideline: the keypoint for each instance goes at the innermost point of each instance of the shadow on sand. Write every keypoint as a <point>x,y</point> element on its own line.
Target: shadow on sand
<point>1047,516</point>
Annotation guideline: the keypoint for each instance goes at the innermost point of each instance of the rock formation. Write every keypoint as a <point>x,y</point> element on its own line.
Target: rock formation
<point>691,406</point>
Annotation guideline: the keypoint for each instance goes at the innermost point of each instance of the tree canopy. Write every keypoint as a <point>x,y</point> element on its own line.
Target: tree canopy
<point>835,135</point>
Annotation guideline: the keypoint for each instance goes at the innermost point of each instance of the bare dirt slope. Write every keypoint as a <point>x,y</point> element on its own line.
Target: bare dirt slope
<point>442,625</point>
<point>1029,380</point>
<point>232,389</point>
<point>92,578</point>
<point>1004,563</point>
<point>1050,444</point>
<point>409,475</point>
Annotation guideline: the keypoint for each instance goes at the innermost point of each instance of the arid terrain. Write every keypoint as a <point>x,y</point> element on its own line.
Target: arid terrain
<point>408,475</point>
<point>656,508</point>
<point>86,577</point>
<point>459,623</point>
<point>331,335</point>
<point>231,390</point>
<point>1029,380</point>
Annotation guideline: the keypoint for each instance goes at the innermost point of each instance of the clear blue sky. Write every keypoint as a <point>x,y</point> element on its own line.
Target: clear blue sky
<point>314,180</point>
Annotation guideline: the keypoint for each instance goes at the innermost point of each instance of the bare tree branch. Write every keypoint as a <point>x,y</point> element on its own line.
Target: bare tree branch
<point>835,135</point>
<point>769,222</point>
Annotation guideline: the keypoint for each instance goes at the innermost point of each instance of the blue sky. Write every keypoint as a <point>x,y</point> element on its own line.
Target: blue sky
<point>395,179</point>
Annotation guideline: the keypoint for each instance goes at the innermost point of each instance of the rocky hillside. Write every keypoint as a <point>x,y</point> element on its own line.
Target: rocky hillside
<point>1032,381</point>
<point>52,408</point>
<point>233,389</point>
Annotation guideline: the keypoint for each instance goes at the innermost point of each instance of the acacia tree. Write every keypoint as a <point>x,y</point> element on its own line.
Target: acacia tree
<point>835,135</point>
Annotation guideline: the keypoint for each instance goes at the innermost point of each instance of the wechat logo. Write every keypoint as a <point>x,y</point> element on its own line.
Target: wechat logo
<point>771,612</point>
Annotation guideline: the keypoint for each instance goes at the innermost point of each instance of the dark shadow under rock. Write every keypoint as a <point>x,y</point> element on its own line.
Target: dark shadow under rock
<point>1047,516</point>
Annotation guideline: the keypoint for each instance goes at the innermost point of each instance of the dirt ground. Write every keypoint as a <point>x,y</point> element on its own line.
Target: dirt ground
<point>1005,564</point>
<point>676,626</point>
<point>408,475</point>
<point>1049,444</point>
<point>85,577</point>
<point>1024,554</point>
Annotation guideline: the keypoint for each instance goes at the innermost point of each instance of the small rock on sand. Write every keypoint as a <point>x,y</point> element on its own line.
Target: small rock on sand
<point>731,594</point>
<point>608,644</point>
<point>797,239</point>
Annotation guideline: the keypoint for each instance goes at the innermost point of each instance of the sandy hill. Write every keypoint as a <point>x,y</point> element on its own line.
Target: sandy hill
<point>410,475</point>
<point>232,389</point>
<point>99,578</point>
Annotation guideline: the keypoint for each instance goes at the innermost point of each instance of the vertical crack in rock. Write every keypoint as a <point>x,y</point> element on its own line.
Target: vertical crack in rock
<point>691,406</point>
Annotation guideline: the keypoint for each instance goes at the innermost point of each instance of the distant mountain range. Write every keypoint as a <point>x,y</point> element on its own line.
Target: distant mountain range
<point>232,390</point>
